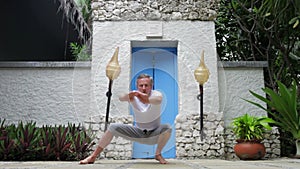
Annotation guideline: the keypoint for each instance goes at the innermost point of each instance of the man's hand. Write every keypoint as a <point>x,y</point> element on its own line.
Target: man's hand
<point>128,96</point>
<point>131,95</point>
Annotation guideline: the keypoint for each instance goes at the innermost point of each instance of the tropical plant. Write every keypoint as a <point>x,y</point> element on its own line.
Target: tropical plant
<point>81,142</point>
<point>47,142</point>
<point>62,142</point>
<point>251,128</point>
<point>284,102</point>
<point>85,8</point>
<point>28,142</point>
<point>7,143</point>
<point>80,52</point>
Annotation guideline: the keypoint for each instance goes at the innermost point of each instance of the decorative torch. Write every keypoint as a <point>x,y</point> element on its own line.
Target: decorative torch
<point>113,70</point>
<point>201,76</point>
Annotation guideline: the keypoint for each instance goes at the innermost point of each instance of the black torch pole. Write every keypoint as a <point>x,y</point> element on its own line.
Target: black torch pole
<point>200,98</point>
<point>108,95</point>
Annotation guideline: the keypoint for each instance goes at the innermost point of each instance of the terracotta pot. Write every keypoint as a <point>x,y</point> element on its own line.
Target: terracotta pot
<point>250,150</point>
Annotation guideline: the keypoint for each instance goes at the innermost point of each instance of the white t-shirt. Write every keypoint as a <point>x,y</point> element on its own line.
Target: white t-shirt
<point>147,116</point>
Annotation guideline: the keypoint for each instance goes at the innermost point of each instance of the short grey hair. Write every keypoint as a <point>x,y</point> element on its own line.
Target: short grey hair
<point>143,75</point>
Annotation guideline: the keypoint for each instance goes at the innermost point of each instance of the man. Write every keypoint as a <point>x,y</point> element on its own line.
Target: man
<point>146,105</point>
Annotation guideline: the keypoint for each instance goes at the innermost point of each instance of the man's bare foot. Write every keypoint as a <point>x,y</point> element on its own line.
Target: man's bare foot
<point>160,158</point>
<point>88,160</point>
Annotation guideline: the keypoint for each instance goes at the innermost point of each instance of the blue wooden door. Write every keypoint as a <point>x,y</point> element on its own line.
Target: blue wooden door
<point>161,64</point>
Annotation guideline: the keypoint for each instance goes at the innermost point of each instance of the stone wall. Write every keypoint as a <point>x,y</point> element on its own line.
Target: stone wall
<point>218,142</point>
<point>129,10</point>
<point>119,149</point>
<point>188,139</point>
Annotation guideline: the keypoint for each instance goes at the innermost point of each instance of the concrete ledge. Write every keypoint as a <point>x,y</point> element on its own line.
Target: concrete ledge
<point>243,64</point>
<point>80,64</point>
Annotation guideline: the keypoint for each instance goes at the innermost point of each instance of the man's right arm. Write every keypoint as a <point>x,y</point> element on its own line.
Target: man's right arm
<point>128,96</point>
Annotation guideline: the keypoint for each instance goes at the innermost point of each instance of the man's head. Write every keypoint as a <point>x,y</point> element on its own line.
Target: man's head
<point>144,83</point>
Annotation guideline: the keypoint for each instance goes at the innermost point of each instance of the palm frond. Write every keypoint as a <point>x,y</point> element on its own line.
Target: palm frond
<point>285,103</point>
<point>73,14</point>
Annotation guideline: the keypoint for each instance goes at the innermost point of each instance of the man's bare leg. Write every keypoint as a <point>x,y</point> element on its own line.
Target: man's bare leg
<point>162,141</point>
<point>104,141</point>
<point>91,159</point>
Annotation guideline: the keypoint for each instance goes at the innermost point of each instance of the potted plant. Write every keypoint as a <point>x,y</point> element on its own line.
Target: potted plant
<point>286,115</point>
<point>250,131</point>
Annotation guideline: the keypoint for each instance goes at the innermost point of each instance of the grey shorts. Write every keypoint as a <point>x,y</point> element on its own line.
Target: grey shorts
<point>134,133</point>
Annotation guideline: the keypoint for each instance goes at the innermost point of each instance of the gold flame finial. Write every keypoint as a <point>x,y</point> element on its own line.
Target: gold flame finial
<point>113,68</point>
<point>201,73</point>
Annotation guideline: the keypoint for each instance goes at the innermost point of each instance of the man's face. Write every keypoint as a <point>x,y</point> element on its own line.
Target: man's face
<point>144,85</point>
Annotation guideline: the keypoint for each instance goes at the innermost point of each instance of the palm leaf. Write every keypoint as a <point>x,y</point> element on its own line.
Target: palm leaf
<point>285,103</point>
<point>288,110</point>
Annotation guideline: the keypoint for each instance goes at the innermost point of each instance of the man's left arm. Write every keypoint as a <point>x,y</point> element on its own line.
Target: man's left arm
<point>156,99</point>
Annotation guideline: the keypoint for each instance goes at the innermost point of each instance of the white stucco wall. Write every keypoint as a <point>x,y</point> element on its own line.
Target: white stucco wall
<point>46,95</point>
<point>235,82</point>
<point>192,37</point>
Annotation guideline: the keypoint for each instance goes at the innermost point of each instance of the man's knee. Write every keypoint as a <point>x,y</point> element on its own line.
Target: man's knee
<point>166,128</point>
<point>113,127</point>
